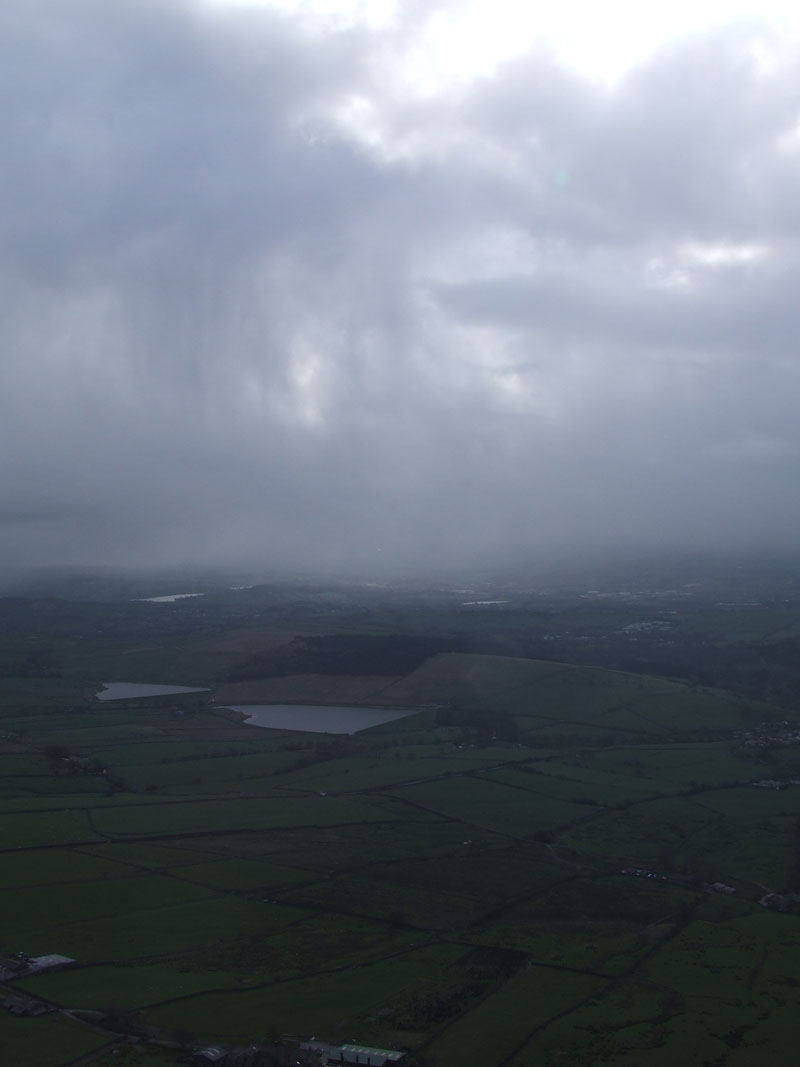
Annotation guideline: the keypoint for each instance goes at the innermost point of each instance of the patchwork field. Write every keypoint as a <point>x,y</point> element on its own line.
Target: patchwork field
<point>520,873</point>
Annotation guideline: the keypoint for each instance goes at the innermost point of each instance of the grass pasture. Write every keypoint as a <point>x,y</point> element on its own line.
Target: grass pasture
<point>709,764</point>
<point>48,866</point>
<point>176,817</point>
<point>334,1003</point>
<point>460,883</point>
<point>492,876</point>
<point>503,1021</point>
<point>648,834</point>
<point>401,905</point>
<point>35,908</point>
<point>46,1041</point>
<point>156,932</point>
<point>29,829</point>
<point>132,986</point>
<point>490,805</point>
<point>241,874</point>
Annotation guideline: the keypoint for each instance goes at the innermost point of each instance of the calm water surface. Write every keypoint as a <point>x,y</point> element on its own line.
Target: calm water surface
<point>170,599</point>
<point>309,718</point>
<point>132,690</point>
<point>317,718</point>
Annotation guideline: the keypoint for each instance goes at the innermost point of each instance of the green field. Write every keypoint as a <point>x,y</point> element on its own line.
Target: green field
<point>520,875</point>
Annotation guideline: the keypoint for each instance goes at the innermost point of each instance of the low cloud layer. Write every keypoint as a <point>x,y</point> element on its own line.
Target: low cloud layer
<point>263,302</point>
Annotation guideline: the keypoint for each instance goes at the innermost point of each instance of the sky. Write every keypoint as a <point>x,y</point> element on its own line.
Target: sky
<point>374,287</point>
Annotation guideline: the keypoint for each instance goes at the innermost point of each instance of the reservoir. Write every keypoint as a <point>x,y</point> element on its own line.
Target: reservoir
<point>308,718</point>
<point>318,718</point>
<point>170,599</point>
<point>134,690</point>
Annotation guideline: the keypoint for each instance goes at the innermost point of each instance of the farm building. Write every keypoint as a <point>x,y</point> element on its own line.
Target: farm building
<point>19,964</point>
<point>53,962</point>
<point>355,1055</point>
<point>256,1056</point>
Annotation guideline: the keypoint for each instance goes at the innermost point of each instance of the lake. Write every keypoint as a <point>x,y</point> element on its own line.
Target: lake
<point>134,690</point>
<point>317,718</point>
<point>307,718</point>
<point>169,599</point>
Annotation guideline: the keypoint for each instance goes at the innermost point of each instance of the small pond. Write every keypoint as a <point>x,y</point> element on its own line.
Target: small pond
<point>132,690</point>
<point>318,718</point>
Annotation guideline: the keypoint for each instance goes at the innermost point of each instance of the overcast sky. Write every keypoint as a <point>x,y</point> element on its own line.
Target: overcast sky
<point>373,286</point>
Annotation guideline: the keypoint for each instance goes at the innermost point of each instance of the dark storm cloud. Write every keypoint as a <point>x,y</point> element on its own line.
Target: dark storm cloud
<point>259,304</point>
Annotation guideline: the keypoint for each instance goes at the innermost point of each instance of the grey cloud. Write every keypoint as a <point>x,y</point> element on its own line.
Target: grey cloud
<point>231,329</point>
